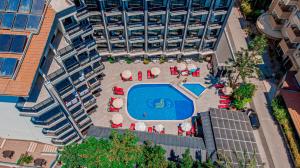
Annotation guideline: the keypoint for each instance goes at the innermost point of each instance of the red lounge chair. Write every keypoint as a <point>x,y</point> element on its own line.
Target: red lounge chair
<point>118,92</point>
<point>196,73</point>
<point>112,109</point>
<point>116,125</point>
<point>150,129</point>
<point>162,132</point>
<point>180,131</point>
<point>149,76</point>
<point>172,70</point>
<point>227,101</point>
<point>116,88</point>
<point>224,97</point>
<point>132,126</point>
<point>193,130</point>
<point>140,76</point>
<point>130,79</point>
<point>188,133</point>
<point>223,106</point>
<point>219,85</point>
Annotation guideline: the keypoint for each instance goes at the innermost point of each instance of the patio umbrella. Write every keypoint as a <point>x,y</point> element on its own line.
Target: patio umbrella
<point>191,67</point>
<point>227,90</point>
<point>155,71</point>
<point>159,127</point>
<point>126,74</point>
<point>186,126</point>
<point>118,103</point>
<point>181,66</point>
<point>140,126</point>
<point>117,119</point>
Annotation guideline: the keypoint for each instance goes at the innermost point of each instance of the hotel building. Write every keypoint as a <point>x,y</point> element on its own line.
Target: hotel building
<point>51,53</point>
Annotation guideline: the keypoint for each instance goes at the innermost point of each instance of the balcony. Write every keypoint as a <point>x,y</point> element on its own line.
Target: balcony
<point>56,74</point>
<point>282,11</point>
<point>276,24</point>
<point>48,118</point>
<point>93,83</point>
<point>68,50</point>
<point>83,90</point>
<point>286,47</point>
<point>65,139</point>
<point>293,34</point>
<point>34,109</point>
<point>58,129</point>
<point>97,66</point>
<point>90,100</point>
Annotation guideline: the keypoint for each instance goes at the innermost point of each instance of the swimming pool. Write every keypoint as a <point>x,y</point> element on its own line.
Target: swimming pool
<point>158,102</point>
<point>195,88</point>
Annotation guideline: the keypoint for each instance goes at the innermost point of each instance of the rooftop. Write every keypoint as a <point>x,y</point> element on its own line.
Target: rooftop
<point>26,69</point>
<point>36,149</point>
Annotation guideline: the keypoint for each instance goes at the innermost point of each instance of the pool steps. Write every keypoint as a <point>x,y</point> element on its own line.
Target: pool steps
<point>182,89</point>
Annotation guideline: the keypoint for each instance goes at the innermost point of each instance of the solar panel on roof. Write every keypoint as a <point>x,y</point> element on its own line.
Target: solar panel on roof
<point>7,20</point>
<point>20,21</point>
<point>12,5</point>
<point>8,66</point>
<point>33,22</point>
<point>2,5</point>
<point>37,6</point>
<point>5,41</point>
<point>25,6</point>
<point>18,43</point>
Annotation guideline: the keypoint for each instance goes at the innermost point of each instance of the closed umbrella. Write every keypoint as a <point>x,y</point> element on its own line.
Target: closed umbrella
<point>181,66</point>
<point>117,119</point>
<point>140,126</point>
<point>191,67</point>
<point>227,90</point>
<point>186,126</point>
<point>159,127</point>
<point>126,74</point>
<point>155,71</point>
<point>118,103</point>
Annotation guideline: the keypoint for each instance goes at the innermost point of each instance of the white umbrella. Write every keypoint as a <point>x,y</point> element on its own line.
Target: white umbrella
<point>140,126</point>
<point>227,90</point>
<point>155,71</point>
<point>126,74</point>
<point>191,67</point>
<point>181,66</point>
<point>117,103</point>
<point>159,127</point>
<point>186,126</point>
<point>117,119</point>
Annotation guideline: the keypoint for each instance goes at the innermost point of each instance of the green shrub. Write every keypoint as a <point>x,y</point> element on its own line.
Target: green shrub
<point>128,60</point>
<point>111,60</point>
<point>24,158</point>
<point>162,60</point>
<point>146,61</point>
<point>246,7</point>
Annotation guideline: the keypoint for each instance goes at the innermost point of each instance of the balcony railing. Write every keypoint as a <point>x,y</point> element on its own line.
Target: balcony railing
<point>56,74</point>
<point>276,24</point>
<point>293,34</point>
<point>282,11</point>
<point>66,50</point>
<point>286,47</point>
<point>35,108</point>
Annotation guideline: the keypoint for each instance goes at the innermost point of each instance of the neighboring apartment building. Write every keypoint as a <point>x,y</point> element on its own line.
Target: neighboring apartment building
<point>282,24</point>
<point>51,52</point>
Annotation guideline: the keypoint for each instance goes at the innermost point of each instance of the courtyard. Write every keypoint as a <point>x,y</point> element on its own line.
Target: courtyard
<point>208,99</point>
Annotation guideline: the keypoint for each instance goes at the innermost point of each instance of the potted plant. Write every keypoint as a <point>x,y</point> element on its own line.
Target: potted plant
<point>146,61</point>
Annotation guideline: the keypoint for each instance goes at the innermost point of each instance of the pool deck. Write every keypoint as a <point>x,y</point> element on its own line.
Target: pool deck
<point>102,117</point>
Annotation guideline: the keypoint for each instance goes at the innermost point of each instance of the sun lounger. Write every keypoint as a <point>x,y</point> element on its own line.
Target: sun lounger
<point>116,88</point>
<point>224,97</point>
<point>162,132</point>
<point>118,92</point>
<point>132,126</point>
<point>219,85</point>
<point>112,109</point>
<point>149,76</point>
<point>226,101</point>
<point>196,73</point>
<point>223,106</point>
<point>180,131</point>
<point>150,129</point>
<point>116,125</point>
<point>111,100</point>
<point>173,70</point>
<point>185,73</point>
<point>140,76</point>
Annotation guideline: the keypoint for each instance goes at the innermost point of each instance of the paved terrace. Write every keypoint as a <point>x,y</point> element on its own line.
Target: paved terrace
<point>102,117</point>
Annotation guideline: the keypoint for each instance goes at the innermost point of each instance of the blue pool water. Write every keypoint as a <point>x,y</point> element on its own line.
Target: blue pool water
<point>158,102</point>
<point>195,88</point>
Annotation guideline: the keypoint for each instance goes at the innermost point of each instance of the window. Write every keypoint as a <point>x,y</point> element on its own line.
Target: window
<point>37,6</point>
<point>20,21</point>
<point>12,5</point>
<point>7,66</point>
<point>12,43</point>
<point>7,20</point>
<point>33,22</point>
<point>3,4</point>
<point>25,6</point>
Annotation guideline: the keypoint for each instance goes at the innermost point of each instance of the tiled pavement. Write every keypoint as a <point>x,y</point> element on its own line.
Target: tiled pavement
<point>112,71</point>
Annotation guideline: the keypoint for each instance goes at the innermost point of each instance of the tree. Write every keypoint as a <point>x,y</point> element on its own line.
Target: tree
<point>244,160</point>
<point>245,66</point>
<point>246,7</point>
<point>187,160</point>
<point>258,44</point>
<point>154,156</point>
<point>243,95</point>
